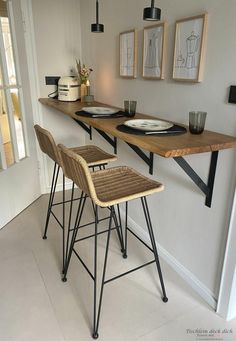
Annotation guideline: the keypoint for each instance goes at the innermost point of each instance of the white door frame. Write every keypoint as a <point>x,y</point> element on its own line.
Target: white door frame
<point>226,306</point>
<point>27,14</point>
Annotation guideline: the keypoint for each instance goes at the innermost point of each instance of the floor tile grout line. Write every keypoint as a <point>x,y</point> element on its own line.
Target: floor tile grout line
<point>169,322</point>
<point>49,297</point>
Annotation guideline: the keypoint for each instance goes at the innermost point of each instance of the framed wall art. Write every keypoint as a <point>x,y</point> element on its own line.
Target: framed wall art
<point>189,50</point>
<point>153,51</point>
<point>128,54</point>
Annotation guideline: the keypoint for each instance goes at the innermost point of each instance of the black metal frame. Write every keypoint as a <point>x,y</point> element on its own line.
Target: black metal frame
<point>112,142</point>
<point>207,189</point>
<point>87,128</point>
<point>144,157</point>
<point>51,204</point>
<point>123,243</point>
<point>51,197</point>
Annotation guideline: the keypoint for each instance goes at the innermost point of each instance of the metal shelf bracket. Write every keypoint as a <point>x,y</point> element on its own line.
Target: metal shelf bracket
<point>87,128</point>
<point>144,157</point>
<point>112,142</point>
<point>207,189</point>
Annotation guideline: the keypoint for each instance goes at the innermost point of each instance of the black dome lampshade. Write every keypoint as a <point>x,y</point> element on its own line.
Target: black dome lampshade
<point>97,28</point>
<point>152,13</point>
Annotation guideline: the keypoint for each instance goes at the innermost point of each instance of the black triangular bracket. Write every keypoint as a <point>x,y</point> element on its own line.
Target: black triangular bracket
<point>207,189</point>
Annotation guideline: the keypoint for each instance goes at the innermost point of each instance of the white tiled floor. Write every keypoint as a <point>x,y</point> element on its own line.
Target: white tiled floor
<point>35,305</point>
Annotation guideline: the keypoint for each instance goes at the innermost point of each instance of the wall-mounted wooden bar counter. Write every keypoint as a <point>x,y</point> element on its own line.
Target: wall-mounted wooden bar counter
<point>166,146</point>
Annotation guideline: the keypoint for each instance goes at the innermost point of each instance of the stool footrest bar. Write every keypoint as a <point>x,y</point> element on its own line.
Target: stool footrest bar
<point>135,235</point>
<point>84,225</point>
<point>66,201</point>
<point>93,235</point>
<point>84,265</point>
<point>55,217</point>
<point>128,272</point>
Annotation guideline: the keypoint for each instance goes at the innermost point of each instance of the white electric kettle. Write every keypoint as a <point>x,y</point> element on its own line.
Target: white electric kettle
<point>68,89</point>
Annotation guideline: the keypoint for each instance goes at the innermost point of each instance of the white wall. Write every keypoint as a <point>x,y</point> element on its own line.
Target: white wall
<point>58,44</point>
<point>192,234</point>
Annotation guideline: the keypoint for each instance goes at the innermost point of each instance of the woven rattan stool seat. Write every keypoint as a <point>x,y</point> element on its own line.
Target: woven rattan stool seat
<point>107,187</point>
<point>120,184</point>
<point>94,155</point>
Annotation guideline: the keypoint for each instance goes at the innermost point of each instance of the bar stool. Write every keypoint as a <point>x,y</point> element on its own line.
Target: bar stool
<point>94,156</point>
<point>108,188</point>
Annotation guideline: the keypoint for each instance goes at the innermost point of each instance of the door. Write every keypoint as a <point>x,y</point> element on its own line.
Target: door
<point>19,174</point>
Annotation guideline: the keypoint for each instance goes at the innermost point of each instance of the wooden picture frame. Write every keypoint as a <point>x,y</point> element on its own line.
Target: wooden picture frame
<point>189,50</point>
<point>128,54</point>
<point>154,39</point>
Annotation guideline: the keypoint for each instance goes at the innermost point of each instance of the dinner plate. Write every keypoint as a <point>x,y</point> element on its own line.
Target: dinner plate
<point>100,110</point>
<point>148,125</point>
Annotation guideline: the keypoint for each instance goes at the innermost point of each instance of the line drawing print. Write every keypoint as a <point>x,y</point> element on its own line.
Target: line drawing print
<point>153,51</point>
<point>152,56</point>
<point>127,54</point>
<point>192,43</point>
<point>180,60</point>
<point>189,48</point>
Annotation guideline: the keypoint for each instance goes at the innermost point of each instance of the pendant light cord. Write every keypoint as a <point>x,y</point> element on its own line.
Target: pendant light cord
<point>97,12</point>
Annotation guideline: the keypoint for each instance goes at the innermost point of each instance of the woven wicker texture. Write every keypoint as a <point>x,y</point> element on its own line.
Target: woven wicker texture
<point>47,143</point>
<point>76,169</point>
<point>107,187</point>
<point>92,154</point>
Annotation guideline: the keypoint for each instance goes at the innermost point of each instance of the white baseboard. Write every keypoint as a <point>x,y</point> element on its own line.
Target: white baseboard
<point>191,279</point>
<point>59,187</point>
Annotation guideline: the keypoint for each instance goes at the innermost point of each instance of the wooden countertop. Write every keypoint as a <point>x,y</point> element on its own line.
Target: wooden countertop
<point>166,146</point>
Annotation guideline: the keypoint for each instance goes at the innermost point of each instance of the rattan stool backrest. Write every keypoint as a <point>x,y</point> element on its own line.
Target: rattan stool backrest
<point>47,143</point>
<point>76,169</point>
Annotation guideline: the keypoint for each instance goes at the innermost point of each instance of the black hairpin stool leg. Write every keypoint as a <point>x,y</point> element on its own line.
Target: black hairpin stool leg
<point>126,225</point>
<point>74,234</point>
<point>63,222</point>
<point>51,197</point>
<point>119,228</point>
<point>152,238</point>
<point>69,227</point>
<point>95,334</point>
<point>96,316</point>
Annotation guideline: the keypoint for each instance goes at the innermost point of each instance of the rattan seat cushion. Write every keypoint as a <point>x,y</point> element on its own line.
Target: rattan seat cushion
<point>94,155</point>
<point>91,154</point>
<point>106,187</point>
<point>119,184</point>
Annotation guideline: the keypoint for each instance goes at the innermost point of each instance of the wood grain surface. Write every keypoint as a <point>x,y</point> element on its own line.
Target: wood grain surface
<point>166,146</point>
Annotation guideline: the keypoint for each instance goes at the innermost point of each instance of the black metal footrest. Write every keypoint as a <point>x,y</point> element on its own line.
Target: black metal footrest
<point>122,274</point>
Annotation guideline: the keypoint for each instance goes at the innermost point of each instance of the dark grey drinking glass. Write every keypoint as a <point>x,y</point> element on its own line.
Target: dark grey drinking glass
<point>130,108</point>
<point>197,121</point>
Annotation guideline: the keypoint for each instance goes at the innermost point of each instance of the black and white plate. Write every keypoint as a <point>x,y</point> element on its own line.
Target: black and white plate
<point>100,110</point>
<point>148,125</point>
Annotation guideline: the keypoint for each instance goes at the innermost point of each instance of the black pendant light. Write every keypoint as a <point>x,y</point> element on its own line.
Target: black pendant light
<point>152,13</point>
<point>97,28</point>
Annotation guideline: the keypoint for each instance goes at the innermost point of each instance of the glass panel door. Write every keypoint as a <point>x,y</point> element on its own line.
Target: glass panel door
<point>12,127</point>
